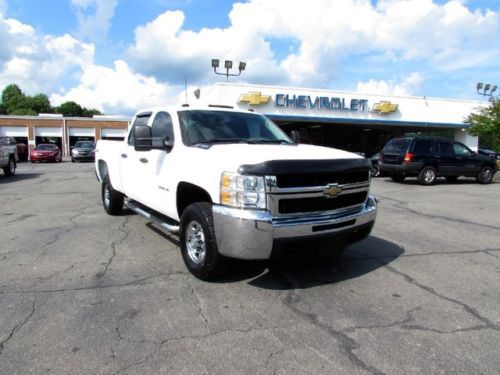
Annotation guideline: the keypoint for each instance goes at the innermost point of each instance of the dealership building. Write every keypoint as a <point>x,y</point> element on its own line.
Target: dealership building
<point>349,120</point>
<point>63,131</point>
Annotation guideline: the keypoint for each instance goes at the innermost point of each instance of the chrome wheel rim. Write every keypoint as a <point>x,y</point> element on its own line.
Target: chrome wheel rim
<point>107,196</point>
<point>429,176</point>
<point>195,242</point>
<point>487,174</point>
<point>12,167</point>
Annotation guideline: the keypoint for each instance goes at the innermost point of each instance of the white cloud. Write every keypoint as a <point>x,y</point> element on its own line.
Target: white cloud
<point>326,33</point>
<point>403,87</point>
<point>117,90</point>
<point>36,62</point>
<point>94,18</point>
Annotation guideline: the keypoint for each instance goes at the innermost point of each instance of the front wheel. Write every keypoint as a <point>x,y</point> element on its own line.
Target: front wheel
<point>10,169</point>
<point>198,245</point>
<point>485,175</point>
<point>112,200</point>
<point>427,176</point>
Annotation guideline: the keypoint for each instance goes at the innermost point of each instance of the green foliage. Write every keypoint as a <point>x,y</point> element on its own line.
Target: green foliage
<point>15,102</point>
<point>23,112</point>
<point>70,109</point>
<point>486,125</point>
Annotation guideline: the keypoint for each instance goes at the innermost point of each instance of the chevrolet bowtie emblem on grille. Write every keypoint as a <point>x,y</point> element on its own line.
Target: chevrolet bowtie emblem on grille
<point>254,99</point>
<point>332,190</point>
<point>384,107</point>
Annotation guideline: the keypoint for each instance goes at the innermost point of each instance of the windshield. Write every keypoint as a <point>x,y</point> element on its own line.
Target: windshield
<point>204,127</point>
<point>84,144</point>
<point>46,147</point>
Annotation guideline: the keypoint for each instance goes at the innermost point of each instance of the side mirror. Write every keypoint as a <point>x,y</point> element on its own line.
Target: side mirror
<point>295,135</point>
<point>142,138</point>
<point>164,143</point>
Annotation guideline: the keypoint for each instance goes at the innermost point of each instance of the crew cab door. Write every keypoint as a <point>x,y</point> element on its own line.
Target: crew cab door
<point>132,169</point>
<point>160,189</point>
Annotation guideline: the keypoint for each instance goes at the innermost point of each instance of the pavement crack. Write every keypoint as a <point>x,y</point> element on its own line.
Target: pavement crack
<point>114,245</point>
<point>198,302</point>
<point>404,206</point>
<point>346,343</point>
<point>469,309</point>
<point>17,328</point>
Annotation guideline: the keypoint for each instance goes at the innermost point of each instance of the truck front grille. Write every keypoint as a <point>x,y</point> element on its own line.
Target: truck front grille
<point>319,204</point>
<point>321,179</point>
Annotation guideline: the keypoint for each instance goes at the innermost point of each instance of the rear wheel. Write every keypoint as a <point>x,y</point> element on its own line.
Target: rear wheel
<point>198,245</point>
<point>112,200</point>
<point>485,175</point>
<point>397,178</point>
<point>427,176</point>
<point>10,169</point>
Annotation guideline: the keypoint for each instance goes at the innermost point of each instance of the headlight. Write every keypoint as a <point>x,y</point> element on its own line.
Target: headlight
<point>242,191</point>
<point>74,152</point>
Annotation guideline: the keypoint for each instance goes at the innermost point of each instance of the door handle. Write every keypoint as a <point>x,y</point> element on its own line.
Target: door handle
<point>124,156</point>
<point>143,160</point>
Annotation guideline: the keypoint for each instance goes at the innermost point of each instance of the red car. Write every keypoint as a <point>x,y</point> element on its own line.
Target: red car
<point>46,152</point>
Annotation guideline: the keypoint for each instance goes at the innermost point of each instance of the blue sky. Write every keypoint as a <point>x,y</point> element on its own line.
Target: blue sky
<point>84,50</point>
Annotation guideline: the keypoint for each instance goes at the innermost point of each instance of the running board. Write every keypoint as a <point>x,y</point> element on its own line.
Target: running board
<point>174,229</point>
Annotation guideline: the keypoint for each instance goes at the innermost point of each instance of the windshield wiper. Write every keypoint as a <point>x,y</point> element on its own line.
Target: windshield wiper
<point>271,141</point>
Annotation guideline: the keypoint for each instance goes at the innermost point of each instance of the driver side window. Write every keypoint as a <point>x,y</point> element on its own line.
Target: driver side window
<point>461,150</point>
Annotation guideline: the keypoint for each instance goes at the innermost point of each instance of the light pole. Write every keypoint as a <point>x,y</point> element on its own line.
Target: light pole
<point>228,64</point>
<point>485,89</point>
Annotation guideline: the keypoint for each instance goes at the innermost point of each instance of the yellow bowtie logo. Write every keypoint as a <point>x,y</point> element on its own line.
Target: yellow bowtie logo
<point>384,107</point>
<point>254,99</point>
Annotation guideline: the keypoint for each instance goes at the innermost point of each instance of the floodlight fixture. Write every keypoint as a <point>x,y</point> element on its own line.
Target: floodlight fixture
<point>485,89</point>
<point>228,65</point>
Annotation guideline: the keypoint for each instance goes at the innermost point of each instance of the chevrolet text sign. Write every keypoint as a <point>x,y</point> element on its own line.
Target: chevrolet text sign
<point>320,102</point>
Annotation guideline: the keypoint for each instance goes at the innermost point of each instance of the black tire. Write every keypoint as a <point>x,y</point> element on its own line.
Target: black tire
<point>427,175</point>
<point>485,175</point>
<point>198,244</point>
<point>451,178</point>
<point>375,172</point>
<point>398,178</point>
<point>10,169</point>
<point>72,160</point>
<point>112,200</point>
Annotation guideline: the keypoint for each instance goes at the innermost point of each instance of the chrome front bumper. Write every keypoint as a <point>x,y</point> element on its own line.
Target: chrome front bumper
<point>251,234</point>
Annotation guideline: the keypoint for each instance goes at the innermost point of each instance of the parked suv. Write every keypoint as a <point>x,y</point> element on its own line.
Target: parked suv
<point>431,157</point>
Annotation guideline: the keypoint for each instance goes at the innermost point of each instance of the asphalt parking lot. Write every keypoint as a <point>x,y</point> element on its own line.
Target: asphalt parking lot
<point>84,292</point>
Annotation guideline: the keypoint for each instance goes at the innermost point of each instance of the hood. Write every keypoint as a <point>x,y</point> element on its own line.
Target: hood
<point>231,157</point>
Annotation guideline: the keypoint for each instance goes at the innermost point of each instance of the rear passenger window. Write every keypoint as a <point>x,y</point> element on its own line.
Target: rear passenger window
<point>445,148</point>
<point>423,146</point>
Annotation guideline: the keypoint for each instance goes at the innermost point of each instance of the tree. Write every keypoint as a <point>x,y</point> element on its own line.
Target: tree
<point>13,99</point>
<point>40,103</point>
<point>70,109</point>
<point>486,125</point>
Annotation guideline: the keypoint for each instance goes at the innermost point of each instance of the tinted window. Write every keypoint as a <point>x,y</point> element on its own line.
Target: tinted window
<point>84,144</point>
<point>140,120</point>
<point>423,146</point>
<point>445,148</point>
<point>461,150</point>
<point>162,128</point>
<point>397,146</point>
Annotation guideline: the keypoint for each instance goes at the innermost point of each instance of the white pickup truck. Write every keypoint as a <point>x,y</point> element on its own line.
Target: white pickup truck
<point>231,184</point>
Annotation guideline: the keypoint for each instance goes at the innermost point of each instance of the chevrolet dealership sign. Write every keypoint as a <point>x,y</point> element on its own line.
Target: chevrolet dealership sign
<point>256,99</point>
